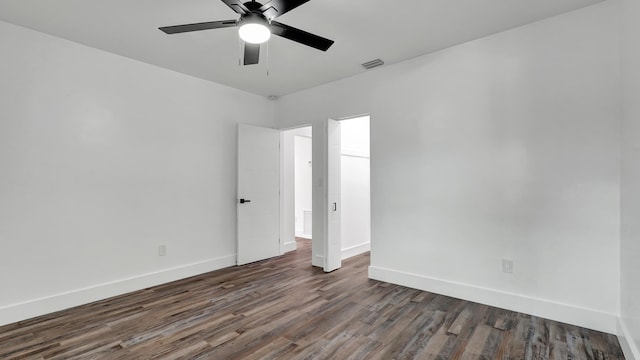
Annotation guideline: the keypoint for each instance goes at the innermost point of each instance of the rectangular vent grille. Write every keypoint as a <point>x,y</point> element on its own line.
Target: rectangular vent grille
<point>373,63</point>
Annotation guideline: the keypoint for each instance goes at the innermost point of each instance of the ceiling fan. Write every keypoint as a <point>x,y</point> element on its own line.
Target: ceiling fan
<point>256,24</point>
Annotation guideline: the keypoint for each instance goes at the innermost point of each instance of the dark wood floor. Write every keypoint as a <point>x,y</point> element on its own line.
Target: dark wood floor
<point>284,309</point>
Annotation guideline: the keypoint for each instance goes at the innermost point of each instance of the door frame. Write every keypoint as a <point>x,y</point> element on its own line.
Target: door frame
<point>333,210</point>
<point>287,225</point>
<point>319,179</point>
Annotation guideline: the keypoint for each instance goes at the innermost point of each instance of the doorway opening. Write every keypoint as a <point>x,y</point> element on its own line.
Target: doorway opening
<point>303,192</point>
<point>348,216</point>
<point>355,184</point>
<point>337,194</point>
<point>297,198</point>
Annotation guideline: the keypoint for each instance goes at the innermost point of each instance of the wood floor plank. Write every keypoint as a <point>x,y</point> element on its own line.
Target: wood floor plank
<point>473,349</point>
<point>284,308</point>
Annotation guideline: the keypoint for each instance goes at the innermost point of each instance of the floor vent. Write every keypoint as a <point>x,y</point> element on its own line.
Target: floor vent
<point>373,63</point>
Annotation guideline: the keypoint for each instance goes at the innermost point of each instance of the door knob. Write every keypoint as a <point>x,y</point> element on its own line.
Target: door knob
<point>242,201</point>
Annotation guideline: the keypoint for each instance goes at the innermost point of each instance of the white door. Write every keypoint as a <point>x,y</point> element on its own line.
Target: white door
<point>258,201</point>
<point>333,245</point>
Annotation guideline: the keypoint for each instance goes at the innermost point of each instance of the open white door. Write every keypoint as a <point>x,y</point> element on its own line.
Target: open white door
<point>333,249</point>
<point>258,193</point>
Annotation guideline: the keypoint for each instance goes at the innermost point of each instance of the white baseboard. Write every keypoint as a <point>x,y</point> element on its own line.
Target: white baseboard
<point>355,250</point>
<point>318,261</point>
<point>290,246</point>
<point>571,314</point>
<point>629,347</point>
<point>45,305</point>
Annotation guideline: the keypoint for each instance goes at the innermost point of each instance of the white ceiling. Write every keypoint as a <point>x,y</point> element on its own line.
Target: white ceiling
<point>362,29</point>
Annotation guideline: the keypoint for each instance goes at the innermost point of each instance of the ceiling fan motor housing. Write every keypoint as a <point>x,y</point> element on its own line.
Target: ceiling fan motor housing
<point>254,18</point>
<point>252,5</point>
<point>269,12</point>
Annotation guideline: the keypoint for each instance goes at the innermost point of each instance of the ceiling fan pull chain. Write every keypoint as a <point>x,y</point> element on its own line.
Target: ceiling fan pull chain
<point>240,52</point>
<point>267,59</point>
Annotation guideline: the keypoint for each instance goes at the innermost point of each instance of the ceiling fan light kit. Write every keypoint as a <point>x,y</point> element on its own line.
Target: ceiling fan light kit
<point>254,29</point>
<point>256,24</point>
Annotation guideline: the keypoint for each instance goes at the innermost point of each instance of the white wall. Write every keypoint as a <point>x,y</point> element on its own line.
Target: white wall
<point>355,184</point>
<point>507,146</point>
<point>630,182</point>
<point>102,159</point>
<point>303,190</point>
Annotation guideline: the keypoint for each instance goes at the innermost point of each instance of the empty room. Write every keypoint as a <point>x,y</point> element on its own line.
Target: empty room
<point>148,202</point>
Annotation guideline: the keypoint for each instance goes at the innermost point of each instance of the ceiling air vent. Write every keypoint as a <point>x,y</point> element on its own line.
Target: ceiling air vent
<point>373,63</point>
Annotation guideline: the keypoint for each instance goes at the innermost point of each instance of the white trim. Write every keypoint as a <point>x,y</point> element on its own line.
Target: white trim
<point>355,250</point>
<point>318,260</point>
<point>630,349</point>
<point>45,305</point>
<point>572,314</point>
<point>351,117</point>
<point>282,197</point>
<point>355,153</point>
<point>290,246</point>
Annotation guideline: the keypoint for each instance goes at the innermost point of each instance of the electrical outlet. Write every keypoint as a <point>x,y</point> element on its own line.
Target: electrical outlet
<point>507,266</point>
<point>162,250</point>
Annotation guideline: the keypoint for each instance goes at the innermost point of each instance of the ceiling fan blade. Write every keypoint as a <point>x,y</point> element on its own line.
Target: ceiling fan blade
<point>251,53</point>
<point>237,6</point>
<point>281,6</point>
<point>300,36</point>
<point>199,26</point>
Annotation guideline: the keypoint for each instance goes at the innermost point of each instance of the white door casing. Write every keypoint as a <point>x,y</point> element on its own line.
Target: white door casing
<point>259,186</point>
<point>333,243</point>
